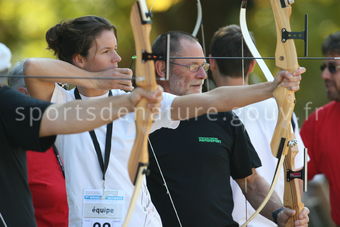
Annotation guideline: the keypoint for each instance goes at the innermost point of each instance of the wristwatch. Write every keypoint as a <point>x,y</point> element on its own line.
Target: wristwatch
<point>275,213</point>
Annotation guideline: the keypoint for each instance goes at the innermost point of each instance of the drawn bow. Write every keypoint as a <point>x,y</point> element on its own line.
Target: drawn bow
<point>140,19</point>
<point>283,138</point>
<point>283,144</point>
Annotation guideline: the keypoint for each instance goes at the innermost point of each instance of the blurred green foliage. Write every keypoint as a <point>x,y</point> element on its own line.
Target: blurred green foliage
<point>23,24</point>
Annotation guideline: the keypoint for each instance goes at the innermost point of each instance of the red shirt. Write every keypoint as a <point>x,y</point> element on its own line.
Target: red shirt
<point>321,135</point>
<point>47,185</point>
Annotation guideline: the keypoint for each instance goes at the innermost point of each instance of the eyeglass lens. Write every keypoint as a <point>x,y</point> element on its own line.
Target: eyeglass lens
<point>196,67</point>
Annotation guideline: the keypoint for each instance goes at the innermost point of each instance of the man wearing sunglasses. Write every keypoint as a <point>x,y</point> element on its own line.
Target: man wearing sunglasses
<point>320,132</point>
<point>195,161</point>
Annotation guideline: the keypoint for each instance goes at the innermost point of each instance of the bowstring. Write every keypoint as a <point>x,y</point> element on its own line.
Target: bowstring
<point>152,5</point>
<point>243,81</point>
<point>165,184</point>
<point>155,156</point>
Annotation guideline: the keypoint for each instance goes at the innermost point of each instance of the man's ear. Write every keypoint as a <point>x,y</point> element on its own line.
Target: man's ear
<point>160,68</point>
<point>251,66</point>
<point>79,60</point>
<point>213,64</point>
<point>23,90</point>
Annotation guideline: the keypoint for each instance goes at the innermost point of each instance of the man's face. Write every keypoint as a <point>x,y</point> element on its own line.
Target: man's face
<point>331,76</point>
<point>103,53</point>
<point>182,81</point>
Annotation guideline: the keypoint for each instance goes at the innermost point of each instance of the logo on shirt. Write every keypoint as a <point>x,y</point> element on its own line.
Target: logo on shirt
<point>209,140</point>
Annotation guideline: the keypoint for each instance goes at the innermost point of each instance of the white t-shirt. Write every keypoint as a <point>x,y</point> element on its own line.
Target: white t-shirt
<point>260,120</point>
<point>82,169</point>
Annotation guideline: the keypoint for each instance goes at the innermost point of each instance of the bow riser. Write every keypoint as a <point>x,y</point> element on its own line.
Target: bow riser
<point>285,54</point>
<point>141,29</point>
<point>285,100</point>
<point>145,78</point>
<point>286,59</point>
<point>141,158</point>
<point>292,195</point>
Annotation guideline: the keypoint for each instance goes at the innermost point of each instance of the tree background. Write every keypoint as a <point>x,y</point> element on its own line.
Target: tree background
<point>23,24</point>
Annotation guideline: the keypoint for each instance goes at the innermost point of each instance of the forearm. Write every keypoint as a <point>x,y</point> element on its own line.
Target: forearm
<point>79,116</point>
<point>256,191</point>
<point>220,99</point>
<point>57,69</point>
<point>42,88</point>
<point>255,194</point>
<point>231,97</point>
<point>227,98</point>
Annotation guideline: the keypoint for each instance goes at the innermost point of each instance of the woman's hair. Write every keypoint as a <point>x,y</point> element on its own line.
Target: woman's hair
<point>76,36</point>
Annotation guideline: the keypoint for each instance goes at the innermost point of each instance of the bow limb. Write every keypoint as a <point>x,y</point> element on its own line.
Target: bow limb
<point>140,19</point>
<point>283,144</point>
<point>270,192</point>
<point>251,46</point>
<point>286,59</point>
<point>199,19</point>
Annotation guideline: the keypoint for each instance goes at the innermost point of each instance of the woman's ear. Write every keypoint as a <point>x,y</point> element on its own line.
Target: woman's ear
<point>160,69</point>
<point>79,60</point>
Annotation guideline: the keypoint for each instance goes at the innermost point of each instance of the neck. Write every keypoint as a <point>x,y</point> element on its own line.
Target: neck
<point>222,80</point>
<point>91,92</point>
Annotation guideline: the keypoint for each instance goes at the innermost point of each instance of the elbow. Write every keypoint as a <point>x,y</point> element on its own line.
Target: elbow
<point>28,67</point>
<point>252,180</point>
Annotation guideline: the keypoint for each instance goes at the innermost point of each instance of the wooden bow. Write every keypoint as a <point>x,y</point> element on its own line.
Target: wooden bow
<point>283,144</point>
<point>140,19</point>
<point>198,19</point>
<point>286,59</point>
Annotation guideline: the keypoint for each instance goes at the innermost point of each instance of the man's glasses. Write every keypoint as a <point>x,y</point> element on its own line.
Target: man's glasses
<point>194,67</point>
<point>331,66</point>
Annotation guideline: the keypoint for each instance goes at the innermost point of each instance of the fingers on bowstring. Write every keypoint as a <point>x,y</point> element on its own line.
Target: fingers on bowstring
<point>125,71</point>
<point>125,87</point>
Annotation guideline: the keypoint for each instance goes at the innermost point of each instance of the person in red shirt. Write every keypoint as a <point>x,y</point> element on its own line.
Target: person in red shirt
<point>320,132</point>
<point>47,185</point>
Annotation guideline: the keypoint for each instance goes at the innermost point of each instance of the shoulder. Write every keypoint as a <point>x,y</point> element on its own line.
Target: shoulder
<point>332,106</point>
<point>5,91</point>
<point>167,97</point>
<point>323,111</point>
<point>10,99</point>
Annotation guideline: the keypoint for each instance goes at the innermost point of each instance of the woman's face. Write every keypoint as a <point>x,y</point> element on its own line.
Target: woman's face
<point>102,53</point>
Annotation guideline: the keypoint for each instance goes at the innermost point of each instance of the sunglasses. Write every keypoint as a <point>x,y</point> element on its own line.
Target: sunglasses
<point>331,66</point>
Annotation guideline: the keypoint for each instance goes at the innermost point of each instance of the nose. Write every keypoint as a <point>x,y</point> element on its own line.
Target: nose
<point>325,74</point>
<point>201,74</point>
<point>116,57</point>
